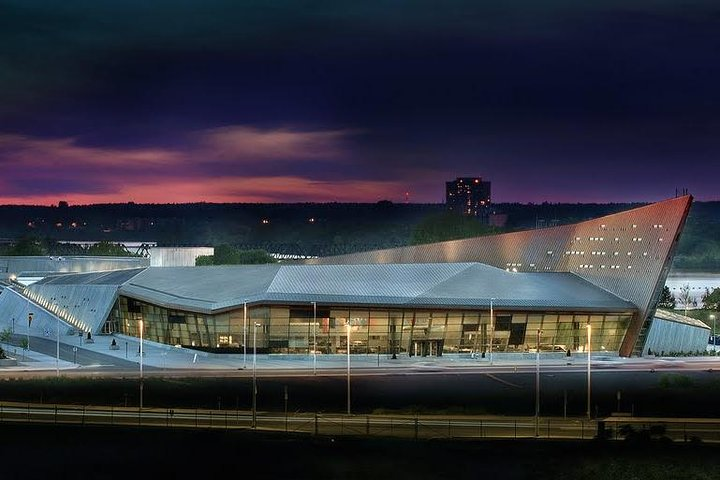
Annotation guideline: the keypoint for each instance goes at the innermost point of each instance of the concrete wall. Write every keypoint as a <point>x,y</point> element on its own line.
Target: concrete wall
<point>177,256</point>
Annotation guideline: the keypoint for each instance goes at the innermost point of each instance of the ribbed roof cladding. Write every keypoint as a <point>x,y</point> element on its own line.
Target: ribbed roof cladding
<point>201,287</point>
<point>112,277</point>
<point>460,285</point>
<point>364,280</point>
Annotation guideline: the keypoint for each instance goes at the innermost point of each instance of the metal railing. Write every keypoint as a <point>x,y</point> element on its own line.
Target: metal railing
<point>405,426</point>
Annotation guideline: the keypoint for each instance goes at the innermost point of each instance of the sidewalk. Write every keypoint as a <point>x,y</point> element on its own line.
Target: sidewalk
<point>161,356</point>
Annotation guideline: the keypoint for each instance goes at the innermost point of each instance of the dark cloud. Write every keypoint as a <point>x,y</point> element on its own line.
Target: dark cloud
<point>531,95</point>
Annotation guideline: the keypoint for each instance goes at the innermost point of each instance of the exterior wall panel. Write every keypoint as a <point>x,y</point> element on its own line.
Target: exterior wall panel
<point>627,253</point>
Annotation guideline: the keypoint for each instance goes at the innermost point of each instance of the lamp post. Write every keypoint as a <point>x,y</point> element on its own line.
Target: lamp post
<point>492,330</point>
<point>254,385</point>
<point>314,304</point>
<point>30,317</point>
<point>712,317</point>
<point>57,350</point>
<point>589,330</point>
<point>244,335</point>
<point>347,326</point>
<point>141,325</point>
<point>537,383</point>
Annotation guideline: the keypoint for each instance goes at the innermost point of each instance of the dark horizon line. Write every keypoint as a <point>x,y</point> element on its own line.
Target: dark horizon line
<point>329,203</point>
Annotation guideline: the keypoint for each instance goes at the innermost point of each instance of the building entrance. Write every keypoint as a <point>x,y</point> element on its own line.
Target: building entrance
<point>427,348</point>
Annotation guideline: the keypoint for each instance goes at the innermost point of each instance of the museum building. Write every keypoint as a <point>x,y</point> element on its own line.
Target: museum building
<point>593,284</point>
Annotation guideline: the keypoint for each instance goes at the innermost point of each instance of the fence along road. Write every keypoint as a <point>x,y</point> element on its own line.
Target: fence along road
<point>406,426</point>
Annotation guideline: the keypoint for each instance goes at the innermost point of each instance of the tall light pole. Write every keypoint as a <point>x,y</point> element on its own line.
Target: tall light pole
<point>30,317</point>
<point>141,325</point>
<point>589,330</point>
<point>347,326</point>
<point>492,330</point>
<point>57,350</point>
<point>244,335</point>
<point>537,383</point>
<point>254,385</point>
<point>314,304</point>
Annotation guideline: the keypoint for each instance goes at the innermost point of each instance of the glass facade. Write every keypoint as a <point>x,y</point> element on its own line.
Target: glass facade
<point>294,329</point>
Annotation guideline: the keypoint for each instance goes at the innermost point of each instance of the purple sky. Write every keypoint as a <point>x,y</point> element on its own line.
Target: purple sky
<point>286,101</point>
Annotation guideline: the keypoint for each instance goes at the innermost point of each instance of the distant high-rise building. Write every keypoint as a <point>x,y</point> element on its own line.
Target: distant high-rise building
<point>468,196</point>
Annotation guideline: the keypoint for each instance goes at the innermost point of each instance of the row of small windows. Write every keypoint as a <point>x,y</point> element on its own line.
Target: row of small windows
<point>657,226</point>
<point>634,225</point>
<point>602,239</point>
<point>612,267</point>
<point>594,252</point>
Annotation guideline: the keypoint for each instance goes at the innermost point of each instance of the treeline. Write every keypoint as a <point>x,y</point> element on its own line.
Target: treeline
<point>311,228</point>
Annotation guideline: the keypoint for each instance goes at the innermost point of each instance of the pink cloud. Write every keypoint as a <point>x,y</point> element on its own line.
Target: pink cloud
<point>229,189</point>
<point>247,143</point>
<point>43,171</point>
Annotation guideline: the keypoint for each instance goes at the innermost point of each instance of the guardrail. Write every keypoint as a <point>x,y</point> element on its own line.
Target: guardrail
<point>405,426</point>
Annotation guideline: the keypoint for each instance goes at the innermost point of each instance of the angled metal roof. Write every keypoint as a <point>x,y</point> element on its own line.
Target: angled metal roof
<point>459,285</point>
<point>679,318</point>
<point>201,288</point>
<point>112,277</point>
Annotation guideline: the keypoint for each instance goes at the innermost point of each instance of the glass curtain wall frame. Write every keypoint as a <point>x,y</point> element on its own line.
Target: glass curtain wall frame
<point>288,329</point>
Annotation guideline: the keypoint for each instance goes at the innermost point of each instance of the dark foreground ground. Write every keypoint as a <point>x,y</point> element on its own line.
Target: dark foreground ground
<point>76,452</point>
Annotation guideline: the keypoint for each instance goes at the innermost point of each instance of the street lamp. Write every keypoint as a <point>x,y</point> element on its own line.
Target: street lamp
<point>537,383</point>
<point>244,335</point>
<point>347,326</point>
<point>712,317</point>
<point>140,324</point>
<point>254,385</point>
<point>57,350</point>
<point>30,317</point>
<point>492,330</point>
<point>314,304</point>
<point>589,330</point>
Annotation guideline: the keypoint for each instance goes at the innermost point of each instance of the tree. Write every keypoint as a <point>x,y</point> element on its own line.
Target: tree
<point>204,260</point>
<point>667,300</point>
<point>27,246</point>
<point>685,296</point>
<point>449,226</point>
<point>711,299</point>
<point>108,249</point>
<point>229,255</point>
<point>5,335</point>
